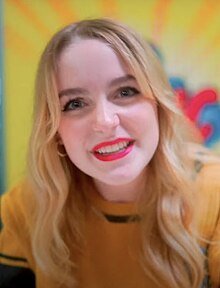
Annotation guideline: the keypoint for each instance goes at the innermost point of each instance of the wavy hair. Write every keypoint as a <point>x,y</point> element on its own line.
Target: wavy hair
<point>170,253</point>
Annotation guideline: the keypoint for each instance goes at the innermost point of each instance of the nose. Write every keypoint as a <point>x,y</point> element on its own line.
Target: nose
<point>106,118</point>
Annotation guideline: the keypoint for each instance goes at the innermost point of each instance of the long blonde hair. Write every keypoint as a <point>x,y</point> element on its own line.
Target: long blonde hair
<point>171,256</point>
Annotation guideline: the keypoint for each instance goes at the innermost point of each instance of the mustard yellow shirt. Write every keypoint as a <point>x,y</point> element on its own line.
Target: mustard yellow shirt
<point>110,255</point>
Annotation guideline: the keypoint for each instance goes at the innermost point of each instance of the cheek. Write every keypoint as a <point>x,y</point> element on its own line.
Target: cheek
<point>150,114</point>
<point>149,129</point>
<point>67,132</point>
<point>144,120</point>
<point>152,123</point>
<point>73,134</point>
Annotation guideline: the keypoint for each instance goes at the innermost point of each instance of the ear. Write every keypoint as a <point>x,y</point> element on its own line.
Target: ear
<point>58,139</point>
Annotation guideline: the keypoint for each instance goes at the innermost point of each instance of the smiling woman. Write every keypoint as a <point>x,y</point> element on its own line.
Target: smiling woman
<point>108,201</point>
<point>112,118</point>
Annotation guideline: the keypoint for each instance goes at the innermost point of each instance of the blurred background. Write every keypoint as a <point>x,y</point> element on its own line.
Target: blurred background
<point>184,33</point>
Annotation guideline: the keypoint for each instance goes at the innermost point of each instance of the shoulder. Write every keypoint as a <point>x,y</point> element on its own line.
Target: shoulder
<point>207,207</point>
<point>16,204</point>
<point>207,186</point>
<point>207,198</point>
<point>16,215</point>
<point>212,215</point>
<point>16,210</point>
<point>207,210</point>
<point>16,257</point>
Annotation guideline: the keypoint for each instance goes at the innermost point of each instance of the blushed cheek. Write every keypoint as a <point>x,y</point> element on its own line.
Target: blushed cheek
<point>64,132</point>
<point>74,136</point>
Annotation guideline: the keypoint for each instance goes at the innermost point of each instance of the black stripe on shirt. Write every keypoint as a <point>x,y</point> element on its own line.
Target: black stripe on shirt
<point>12,258</point>
<point>122,218</point>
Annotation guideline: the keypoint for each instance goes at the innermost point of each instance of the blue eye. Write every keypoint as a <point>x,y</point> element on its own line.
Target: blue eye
<point>128,92</point>
<point>74,104</point>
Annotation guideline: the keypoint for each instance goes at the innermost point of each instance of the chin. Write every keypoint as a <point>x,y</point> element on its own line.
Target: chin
<point>119,180</point>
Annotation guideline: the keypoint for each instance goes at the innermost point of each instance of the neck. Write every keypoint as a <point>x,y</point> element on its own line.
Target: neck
<point>130,192</point>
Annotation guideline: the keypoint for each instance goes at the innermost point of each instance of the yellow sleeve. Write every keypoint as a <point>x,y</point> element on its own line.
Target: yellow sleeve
<point>208,211</point>
<point>214,257</point>
<point>15,247</point>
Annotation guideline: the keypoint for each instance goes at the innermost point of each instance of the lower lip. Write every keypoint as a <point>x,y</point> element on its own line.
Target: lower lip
<point>114,156</point>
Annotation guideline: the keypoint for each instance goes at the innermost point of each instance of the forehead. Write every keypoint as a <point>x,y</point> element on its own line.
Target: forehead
<point>90,58</point>
<point>87,50</point>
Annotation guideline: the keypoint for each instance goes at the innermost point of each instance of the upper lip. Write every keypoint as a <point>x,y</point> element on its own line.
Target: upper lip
<point>109,143</point>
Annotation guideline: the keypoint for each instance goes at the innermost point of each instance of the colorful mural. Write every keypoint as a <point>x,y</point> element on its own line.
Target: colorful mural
<point>203,109</point>
<point>187,33</point>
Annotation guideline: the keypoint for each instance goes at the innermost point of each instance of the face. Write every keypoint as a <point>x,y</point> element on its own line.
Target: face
<point>108,127</point>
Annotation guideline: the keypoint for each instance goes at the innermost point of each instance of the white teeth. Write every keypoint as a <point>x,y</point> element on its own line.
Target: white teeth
<point>121,145</point>
<point>108,149</point>
<point>113,148</point>
<point>102,150</point>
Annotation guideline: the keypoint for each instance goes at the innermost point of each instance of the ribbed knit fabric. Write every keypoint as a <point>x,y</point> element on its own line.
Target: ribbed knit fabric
<point>110,256</point>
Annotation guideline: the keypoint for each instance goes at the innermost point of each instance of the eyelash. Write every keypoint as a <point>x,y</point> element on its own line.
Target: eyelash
<point>123,92</point>
<point>78,101</point>
<point>130,92</point>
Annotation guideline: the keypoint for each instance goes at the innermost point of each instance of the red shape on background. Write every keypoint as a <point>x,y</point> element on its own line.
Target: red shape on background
<point>193,104</point>
<point>206,131</point>
<point>198,101</point>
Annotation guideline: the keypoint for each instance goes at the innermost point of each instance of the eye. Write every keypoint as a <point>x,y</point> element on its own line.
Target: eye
<point>74,104</point>
<point>127,92</point>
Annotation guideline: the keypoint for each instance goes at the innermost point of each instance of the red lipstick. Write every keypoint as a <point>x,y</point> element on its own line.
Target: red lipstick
<point>113,150</point>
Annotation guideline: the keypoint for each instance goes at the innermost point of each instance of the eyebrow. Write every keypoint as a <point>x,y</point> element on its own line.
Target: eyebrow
<point>114,82</point>
<point>122,79</point>
<point>71,91</point>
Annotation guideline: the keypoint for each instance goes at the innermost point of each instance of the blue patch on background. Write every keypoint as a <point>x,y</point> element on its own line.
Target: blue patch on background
<point>210,114</point>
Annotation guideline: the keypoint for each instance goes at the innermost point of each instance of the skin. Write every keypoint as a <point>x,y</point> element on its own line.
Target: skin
<point>101,101</point>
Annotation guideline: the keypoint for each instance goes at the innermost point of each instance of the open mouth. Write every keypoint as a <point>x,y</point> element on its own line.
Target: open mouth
<point>113,150</point>
<point>121,146</point>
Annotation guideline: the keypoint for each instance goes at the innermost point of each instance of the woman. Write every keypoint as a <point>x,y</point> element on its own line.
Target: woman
<point>111,192</point>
